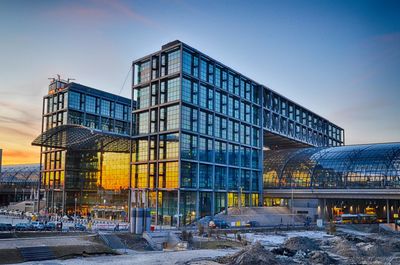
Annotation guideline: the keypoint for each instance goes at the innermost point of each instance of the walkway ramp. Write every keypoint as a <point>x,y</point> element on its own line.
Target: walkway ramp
<point>112,241</point>
<point>161,240</point>
<point>36,253</point>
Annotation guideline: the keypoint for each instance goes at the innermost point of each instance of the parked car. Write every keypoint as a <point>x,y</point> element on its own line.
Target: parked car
<point>219,224</point>
<point>51,226</point>
<point>78,227</point>
<point>253,224</point>
<point>6,227</point>
<point>37,226</point>
<point>23,227</point>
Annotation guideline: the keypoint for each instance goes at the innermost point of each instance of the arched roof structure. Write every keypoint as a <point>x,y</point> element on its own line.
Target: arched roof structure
<point>373,166</point>
<point>81,138</point>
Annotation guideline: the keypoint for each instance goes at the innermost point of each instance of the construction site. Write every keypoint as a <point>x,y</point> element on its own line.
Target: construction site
<point>201,244</point>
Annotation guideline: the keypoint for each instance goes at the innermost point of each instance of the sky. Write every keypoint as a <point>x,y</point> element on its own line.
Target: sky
<point>340,59</point>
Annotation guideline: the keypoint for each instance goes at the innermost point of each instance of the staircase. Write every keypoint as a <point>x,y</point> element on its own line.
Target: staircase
<point>161,239</point>
<point>112,241</point>
<point>36,253</point>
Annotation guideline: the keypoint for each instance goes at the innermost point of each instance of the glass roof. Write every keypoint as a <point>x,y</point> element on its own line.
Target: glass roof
<point>77,137</point>
<point>20,174</point>
<point>352,166</point>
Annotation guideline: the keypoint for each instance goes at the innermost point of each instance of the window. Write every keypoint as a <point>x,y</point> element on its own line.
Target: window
<point>205,176</point>
<point>256,137</point>
<point>143,99</point>
<point>119,111</point>
<point>210,73</point>
<point>206,97</point>
<point>154,94</point>
<point>233,178</point>
<point>189,146</point>
<point>220,152</point>
<point>256,94</point>
<point>203,70</point>
<point>141,150</point>
<point>74,100</point>
<point>220,177</point>
<point>189,91</point>
<point>230,83</point>
<point>154,67</point>
<point>143,123</point>
<point>106,124</point>
<point>245,156</point>
<point>144,72</point>
<point>189,175</point>
<point>205,149</point>
<point>256,115</point>
<point>169,118</point>
<point>206,123</point>
<point>75,117</point>
<point>218,76</point>
<point>169,146</point>
<point>92,121</point>
<point>140,173</point>
<point>168,175</point>
<point>245,180</point>
<point>255,158</point>
<point>174,62</point>
<point>189,118</point>
<point>254,181</point>
<point>220,127</point>
<point>91,104</point>
<point>169,90</point>
<point>234,154</point>
<point>187,63</point>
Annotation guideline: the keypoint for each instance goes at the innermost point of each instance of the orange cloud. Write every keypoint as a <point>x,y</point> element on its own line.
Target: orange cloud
<point>28,156</point>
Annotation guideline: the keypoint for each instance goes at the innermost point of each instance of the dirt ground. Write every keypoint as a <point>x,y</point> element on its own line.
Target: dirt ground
<point>347,246</point>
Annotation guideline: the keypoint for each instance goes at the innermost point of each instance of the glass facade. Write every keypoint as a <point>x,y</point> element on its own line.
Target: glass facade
<point>210,123</point>
<point>374,166</point>
<point>98,181</point>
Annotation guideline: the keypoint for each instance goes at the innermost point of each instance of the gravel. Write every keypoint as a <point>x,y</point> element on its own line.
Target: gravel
<point>301,243</point>
<point>255,254</point>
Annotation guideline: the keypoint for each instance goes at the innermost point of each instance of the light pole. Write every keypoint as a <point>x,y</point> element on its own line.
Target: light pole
<point>104,208</point>
<point>76,199</point>
<point>292,208</point>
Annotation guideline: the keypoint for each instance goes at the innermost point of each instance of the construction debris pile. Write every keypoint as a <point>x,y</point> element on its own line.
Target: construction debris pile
<point>255,254</point>
<point>342,248</point>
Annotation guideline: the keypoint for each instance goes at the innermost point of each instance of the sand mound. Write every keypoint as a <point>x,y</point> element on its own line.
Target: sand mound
<point>301,243</point>
<point>321,257</point>
<point>252,255</point>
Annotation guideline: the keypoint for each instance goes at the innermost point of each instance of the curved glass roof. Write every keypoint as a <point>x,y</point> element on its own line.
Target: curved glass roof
<point>20,174</point>
<point>353,166</point>
<point>78,137</point>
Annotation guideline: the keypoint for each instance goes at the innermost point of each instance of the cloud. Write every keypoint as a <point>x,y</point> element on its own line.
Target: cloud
<point>95,11</point>
<point>20,156</point>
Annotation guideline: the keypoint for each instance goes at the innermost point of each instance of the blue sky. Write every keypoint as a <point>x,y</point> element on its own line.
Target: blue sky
<point>341,59</point>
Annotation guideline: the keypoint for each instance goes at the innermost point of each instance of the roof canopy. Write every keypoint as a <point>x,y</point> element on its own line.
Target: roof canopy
<point>20,174</point>
<point>353,166</point>
<point>80,138</point>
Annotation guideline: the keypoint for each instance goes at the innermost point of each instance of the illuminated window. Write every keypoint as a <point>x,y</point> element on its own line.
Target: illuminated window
<point>168,175</point>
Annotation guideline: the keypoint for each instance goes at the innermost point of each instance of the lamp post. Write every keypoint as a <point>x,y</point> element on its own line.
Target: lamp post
<point>104,208</point>
<point>76,199</point>
<point>292,208</point>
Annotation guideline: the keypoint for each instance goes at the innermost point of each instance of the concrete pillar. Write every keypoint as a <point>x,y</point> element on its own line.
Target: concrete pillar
<point>387,211</point>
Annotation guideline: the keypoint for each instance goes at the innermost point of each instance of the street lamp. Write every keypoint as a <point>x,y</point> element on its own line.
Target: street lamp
<point>104,208</point>
<point>76,199</point>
